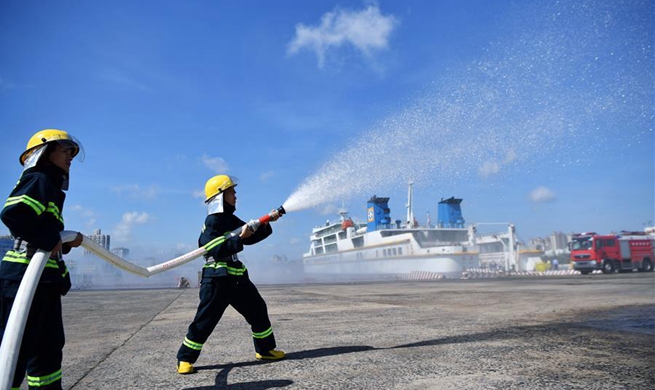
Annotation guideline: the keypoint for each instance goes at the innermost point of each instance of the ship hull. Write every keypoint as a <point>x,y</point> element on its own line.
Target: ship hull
<point>449,266</point>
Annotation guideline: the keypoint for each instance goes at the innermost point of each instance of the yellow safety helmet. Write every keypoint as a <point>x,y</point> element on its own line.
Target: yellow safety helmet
<point>218,184</point>
<point>50,135</point>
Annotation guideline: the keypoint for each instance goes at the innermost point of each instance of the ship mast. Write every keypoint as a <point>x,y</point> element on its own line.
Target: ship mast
<point>343,211</point>
<point>410,211</point>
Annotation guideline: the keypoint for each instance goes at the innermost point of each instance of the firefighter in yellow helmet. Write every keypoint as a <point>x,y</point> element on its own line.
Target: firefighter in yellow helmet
<point>225,279</point>
<point>34,215</point>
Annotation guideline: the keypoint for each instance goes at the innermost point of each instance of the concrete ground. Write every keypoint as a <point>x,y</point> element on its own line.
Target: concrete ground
<point>568,332</point>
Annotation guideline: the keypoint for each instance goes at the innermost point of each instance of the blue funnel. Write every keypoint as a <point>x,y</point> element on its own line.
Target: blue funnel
<point>450,213</point>
<point>377,214</point>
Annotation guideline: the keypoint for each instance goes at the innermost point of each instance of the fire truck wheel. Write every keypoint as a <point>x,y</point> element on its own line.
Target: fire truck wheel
<point>646,266</point>
<point>608,267</point>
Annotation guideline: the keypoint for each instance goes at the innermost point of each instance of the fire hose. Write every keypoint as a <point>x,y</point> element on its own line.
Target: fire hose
<point>13,335</point>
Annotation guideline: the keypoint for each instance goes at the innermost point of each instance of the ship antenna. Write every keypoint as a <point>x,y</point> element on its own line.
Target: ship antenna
<point>410,212</point>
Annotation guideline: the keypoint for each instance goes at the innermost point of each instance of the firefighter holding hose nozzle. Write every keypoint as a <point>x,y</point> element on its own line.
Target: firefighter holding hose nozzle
<point>33,214</point>
<point>225,279</point>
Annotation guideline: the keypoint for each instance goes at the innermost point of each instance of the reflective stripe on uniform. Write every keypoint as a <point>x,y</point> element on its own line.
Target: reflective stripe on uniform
<point>37,206</point>
<point>216,241</point>
<point>19,257</point>
<point>264,334</point>
<point>34,204</point>
<point>38,381</point>
<point>230,270</point>
<point>191,344</point>
<point>52,208</point>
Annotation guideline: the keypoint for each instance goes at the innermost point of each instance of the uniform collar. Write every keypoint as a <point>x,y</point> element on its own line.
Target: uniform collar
<point>56,174</point>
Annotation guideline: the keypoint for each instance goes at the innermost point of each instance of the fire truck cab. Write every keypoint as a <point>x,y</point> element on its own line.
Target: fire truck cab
<point>609,253</point>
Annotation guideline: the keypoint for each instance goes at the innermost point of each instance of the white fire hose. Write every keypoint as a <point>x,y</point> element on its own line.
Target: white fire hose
<point>13,335</point>
<point>135,269</point>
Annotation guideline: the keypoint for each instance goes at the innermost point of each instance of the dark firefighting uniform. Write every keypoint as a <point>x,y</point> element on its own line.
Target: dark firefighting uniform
<point>225,282</point>
<point>33,214</point>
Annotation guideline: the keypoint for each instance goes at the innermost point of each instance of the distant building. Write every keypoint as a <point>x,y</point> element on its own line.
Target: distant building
<point>103,240</point>
<point>123,253</point>
<point>558,242</point>
<point>538,243</point>
<point>6,244</point>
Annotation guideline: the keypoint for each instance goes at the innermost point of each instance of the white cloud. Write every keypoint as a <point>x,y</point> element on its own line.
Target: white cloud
<point>489,168</point>
<point>123,231</point>
<point>266,176</point>
<point>6,85</point>
<point>198,194</point>
<point>135,191</point>
<point>215,164</point>
<point>542,195</point>
<point>184,247</point>
<point>118,76</point>
<point>87,214</point>
<point>328,209</point>
<point>367,31</point>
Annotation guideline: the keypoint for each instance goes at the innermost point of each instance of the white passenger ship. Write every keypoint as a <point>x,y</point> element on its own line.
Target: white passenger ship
<point>385,247</point>
<point>382,247</point>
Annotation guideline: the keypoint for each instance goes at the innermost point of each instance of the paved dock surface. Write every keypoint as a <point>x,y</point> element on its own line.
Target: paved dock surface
<point>575,332</point>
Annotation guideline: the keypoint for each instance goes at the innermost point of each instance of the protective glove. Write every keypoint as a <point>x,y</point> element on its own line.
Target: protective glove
<point>66,278</point>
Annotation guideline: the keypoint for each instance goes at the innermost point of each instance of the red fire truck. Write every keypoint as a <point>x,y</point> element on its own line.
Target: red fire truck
<point>609,253</point>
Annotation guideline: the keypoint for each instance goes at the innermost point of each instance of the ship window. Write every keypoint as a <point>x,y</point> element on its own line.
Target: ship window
<point>400,251</point>
<point>394,251</point>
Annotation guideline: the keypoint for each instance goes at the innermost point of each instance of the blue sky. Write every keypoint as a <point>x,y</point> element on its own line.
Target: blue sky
<point>536,113</point>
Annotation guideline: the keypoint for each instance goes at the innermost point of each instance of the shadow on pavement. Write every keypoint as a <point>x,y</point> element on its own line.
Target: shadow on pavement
<point>221,378</point>
<point>524,332</point>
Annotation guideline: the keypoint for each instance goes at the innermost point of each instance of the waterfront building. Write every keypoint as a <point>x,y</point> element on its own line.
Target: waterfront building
<point>123,253</point>
<point>558,242</point>
<point>104,240</point>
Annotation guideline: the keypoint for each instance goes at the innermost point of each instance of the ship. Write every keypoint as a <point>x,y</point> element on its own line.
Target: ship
<point>386,248</point>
